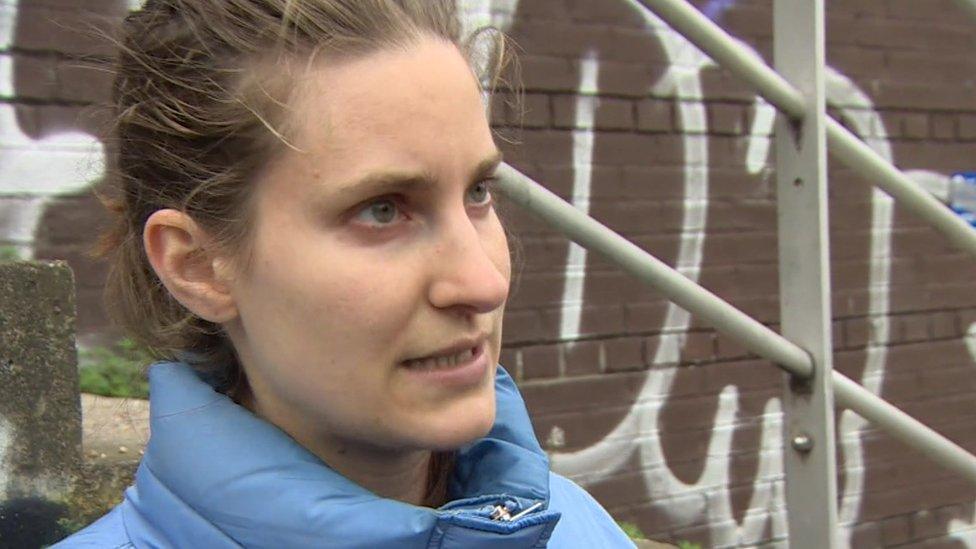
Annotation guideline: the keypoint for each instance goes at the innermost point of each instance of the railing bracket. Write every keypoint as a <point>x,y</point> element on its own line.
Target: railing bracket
<point>802,443</point>
<point>800,385</point>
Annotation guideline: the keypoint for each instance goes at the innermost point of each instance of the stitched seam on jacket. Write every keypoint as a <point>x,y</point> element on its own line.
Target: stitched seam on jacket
<point>189,410</point>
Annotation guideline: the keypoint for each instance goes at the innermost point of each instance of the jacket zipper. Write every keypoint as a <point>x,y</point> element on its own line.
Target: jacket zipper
<point>501,512</point>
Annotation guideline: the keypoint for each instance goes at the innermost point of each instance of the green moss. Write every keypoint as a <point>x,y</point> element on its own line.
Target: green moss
<point>117,371</point>
<point>96,489</point>
<point>688,545</point>
<point>70,525</point>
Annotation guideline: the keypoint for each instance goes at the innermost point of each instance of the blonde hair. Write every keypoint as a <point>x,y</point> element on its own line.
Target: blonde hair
<point>201,101</point>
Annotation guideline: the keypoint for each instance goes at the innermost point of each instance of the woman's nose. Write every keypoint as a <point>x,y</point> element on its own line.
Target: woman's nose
<point>470,268</point>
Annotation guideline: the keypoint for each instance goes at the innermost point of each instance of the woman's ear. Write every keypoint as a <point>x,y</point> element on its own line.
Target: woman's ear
<point>178,250</point>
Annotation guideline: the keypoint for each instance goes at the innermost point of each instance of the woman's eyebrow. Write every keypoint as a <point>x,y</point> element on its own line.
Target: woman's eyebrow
<point>390,181</point>
<point>383,182</point>
<point>487,167</point>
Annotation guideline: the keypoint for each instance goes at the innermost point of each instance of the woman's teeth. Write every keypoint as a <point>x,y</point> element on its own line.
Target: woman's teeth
<point>431,363</point>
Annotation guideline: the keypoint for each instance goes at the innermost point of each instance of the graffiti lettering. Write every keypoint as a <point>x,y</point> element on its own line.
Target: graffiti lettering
<point>33,171</point>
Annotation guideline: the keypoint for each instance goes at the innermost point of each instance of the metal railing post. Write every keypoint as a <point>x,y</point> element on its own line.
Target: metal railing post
<point>804,277</point>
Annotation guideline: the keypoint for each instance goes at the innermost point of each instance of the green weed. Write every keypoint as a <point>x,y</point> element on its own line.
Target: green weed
<point>9,253</point>
<point>117,371</point>
<point>631,529</point>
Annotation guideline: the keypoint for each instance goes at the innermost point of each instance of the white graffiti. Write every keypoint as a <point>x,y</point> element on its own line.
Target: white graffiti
<point>34,171</point>
<point>575,272</point>
<point>638,431</point>
<point>842,91</point>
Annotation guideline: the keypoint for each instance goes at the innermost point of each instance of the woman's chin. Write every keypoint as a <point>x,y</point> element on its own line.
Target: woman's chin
<point>451,432</point>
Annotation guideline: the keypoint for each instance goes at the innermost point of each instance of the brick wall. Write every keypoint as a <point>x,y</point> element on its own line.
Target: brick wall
<point>53,88</point>
<point>669,424</point>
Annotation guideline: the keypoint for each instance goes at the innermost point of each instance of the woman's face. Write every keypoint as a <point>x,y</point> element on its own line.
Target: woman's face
<point>371,311</point>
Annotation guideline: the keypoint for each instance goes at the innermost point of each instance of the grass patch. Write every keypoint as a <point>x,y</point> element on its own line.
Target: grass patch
<point>9,253</point>
<point>631,529</point>
<point>118,370</point>
<point>634,532</point>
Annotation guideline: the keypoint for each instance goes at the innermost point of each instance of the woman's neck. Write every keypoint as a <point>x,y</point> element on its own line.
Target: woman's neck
<point>417,477</point>
<point>402,476</point>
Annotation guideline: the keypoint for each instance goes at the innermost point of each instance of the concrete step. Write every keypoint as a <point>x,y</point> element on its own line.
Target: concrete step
<point>113,429</point>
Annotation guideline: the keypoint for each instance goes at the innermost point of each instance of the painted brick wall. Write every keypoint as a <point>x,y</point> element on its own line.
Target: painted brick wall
<point>669,424</point>
<point>52,88</point>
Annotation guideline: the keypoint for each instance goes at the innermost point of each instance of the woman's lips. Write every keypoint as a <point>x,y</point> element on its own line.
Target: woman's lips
<point>443,361</point>
<point>464,367</point>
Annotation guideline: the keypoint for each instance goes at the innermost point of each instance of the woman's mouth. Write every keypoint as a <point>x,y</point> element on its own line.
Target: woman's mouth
<point>466,366</point>
<point>440,362</point>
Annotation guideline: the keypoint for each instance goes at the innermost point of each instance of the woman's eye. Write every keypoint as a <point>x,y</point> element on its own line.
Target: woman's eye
<point>379,212</point>
<point>479,193</point>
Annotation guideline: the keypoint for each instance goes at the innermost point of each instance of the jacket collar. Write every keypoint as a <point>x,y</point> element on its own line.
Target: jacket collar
<point>215,475</point>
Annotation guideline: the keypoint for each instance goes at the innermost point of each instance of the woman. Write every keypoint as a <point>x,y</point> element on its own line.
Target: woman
<point>306,223</point>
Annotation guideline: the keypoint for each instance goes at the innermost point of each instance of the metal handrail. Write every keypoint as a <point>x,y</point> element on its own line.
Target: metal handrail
<point>854,152</point>
<point>719,45</point>
<point>593,235</point>
<point>810,412</point>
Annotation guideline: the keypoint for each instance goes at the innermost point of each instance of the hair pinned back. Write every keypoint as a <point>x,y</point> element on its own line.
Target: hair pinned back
<point>201,99</point>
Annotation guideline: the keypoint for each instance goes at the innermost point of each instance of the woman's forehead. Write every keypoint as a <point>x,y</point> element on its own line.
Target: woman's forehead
<point>414,110</point>
<point>424,91</point>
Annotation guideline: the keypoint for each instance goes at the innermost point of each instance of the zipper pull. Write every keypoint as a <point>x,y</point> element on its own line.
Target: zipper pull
<point>501,512</point>
<point>527,511</point>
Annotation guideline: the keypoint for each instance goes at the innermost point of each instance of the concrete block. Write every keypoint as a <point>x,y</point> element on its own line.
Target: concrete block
<point>40,413</point>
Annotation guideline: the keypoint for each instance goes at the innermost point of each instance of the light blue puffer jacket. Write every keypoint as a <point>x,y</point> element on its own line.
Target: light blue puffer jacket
<point>216,476</point>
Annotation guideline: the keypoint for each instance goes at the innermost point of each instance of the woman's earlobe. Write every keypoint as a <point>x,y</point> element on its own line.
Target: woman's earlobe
<point>180,252</point>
